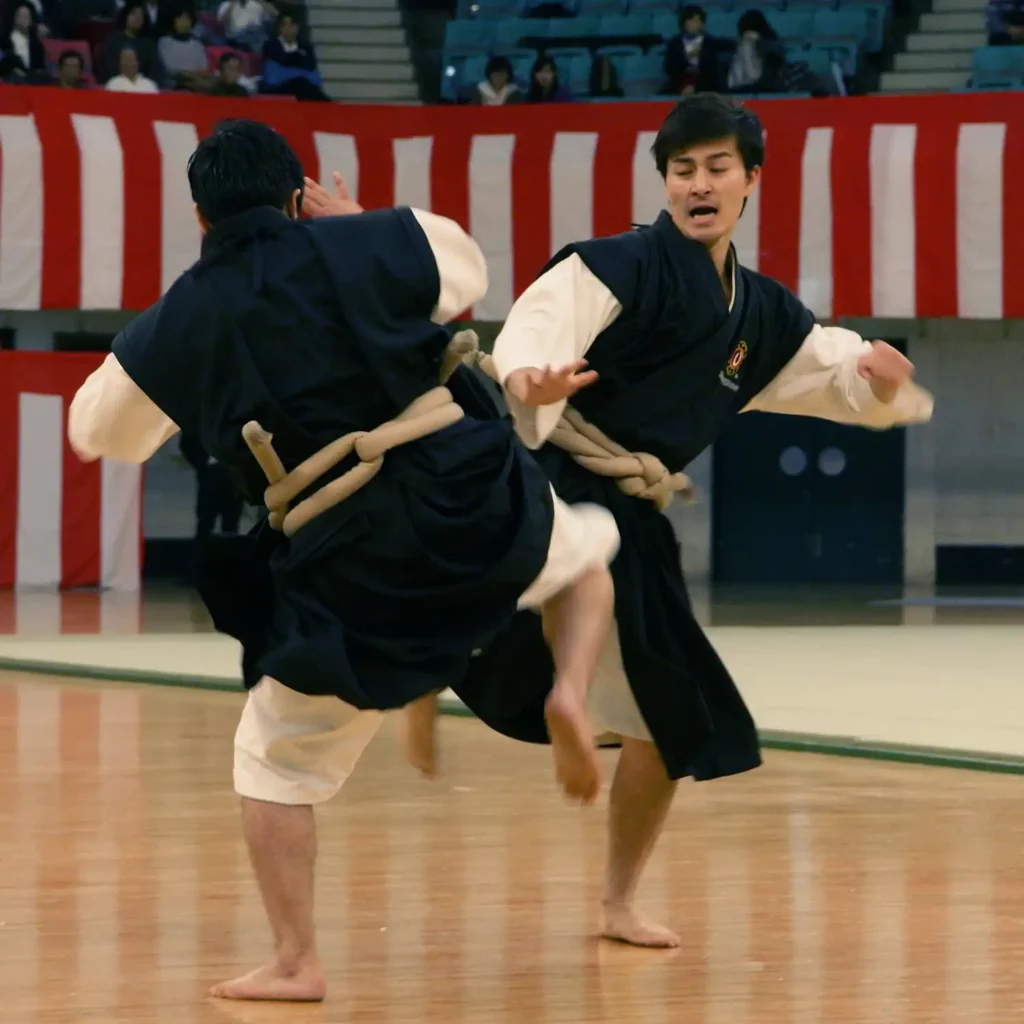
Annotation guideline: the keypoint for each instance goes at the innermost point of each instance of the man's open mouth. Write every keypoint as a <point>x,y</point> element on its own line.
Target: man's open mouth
<point>703,211</point>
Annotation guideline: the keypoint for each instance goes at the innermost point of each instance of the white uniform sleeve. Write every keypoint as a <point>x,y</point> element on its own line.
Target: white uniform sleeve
<point>111,417</point>
<point>460,265</point>
<point>822,380</point>
<point>553,323</point>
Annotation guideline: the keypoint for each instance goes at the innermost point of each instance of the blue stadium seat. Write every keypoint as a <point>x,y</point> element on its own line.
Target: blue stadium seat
<point>654,7</point>
<point>847,26</point>
<point>460,74</point>
<point>561,55</point>
<point>793,25</point>
<point>722,24</point>
<point>625,24</point>
<point>576,74</point>
<point>617,52</point>
<point>641,75</point>
<point>602,7</point>
<point>994,67</point>
<point>817,59</point>
<point>522,68</point>
<point>487,9</point>
<point>665,25</point>
<point>573,28</point>
<point>510,30</point>
<point>465,38</point>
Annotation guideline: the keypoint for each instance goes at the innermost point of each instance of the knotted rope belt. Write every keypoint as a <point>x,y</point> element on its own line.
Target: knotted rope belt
<point>637,474</point>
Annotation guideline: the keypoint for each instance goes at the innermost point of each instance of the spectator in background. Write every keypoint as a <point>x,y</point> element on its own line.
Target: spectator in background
<point>131,78</point>
<point>23,58</point>
<point>245,22</point>
<point>1005,22</point>
<point>41,17</point>
<point>759,60</point>
<point>229,77</point>
<point>544,86</point>
<point>134,29</point>
<point>604,79</point>
<point>691,58</point>
<point>182,55</point>
<point>289,63</point>
<point>498,86</point>
<point>70,69</point>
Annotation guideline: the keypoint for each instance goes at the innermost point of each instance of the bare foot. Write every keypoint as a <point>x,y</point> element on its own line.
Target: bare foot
<point>419,734</point>
<point>626,924</point>
<point>572,740</point>
<point>305,984</point>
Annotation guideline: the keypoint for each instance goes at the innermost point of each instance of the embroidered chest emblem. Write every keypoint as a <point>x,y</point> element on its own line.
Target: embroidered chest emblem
<point>732,367</point>
<point>736,360</point>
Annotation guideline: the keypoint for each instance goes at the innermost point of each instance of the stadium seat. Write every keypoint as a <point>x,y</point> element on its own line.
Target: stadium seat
<point>665,25</point>
<point>995,66</point>
<point>641,75</point>
<point>598,8</point>
<point>561,55</point>
<point>576,74</point>
<point>465,38</point>
<point>793,25</point>
<point>574,28</point>
<point>721,24</point>
<point>625,24</point>
<point>509,31</point>
<point>843,26</point>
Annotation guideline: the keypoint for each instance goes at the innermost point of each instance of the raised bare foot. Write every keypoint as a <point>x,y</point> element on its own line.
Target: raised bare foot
<point>626,924</point>
<point>576,765</point>
<point>305,984</point>
<point>419,734</point>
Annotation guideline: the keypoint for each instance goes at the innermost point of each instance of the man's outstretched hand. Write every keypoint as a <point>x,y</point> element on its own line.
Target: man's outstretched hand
<point>318,202</point>
<point>535,387</point>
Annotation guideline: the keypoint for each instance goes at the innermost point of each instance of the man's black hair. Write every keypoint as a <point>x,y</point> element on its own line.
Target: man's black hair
<point>243,165</point>
<point>67,55</point>
<point>706,117</point>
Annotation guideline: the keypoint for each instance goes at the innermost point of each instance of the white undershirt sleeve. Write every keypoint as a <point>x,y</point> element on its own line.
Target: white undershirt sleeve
<point>111,417</point>
<point>460,265</point>
<point>553,323</point>
<point>822,380</point>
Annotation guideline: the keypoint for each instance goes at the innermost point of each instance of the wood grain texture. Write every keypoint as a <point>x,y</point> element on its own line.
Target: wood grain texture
<point>814,890</point>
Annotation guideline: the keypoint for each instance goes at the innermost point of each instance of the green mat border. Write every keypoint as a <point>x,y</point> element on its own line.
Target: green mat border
<point>808,743</point>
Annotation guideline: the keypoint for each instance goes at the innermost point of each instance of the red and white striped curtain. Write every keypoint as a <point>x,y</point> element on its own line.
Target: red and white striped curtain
<point>62,522</point>
<point>871,206</point>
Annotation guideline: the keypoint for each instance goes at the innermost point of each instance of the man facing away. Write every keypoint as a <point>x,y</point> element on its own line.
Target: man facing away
<point>407,523</point>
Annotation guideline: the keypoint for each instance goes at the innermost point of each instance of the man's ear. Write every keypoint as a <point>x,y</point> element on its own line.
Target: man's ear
<point>204,224</point>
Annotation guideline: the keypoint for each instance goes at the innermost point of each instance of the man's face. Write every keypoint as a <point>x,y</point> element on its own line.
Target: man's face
<point>70,72</point>
<point>129,62</point>
<point>289,30</point>
<point>706,187</point>
<point>693,26</point>
<point>231,71</point>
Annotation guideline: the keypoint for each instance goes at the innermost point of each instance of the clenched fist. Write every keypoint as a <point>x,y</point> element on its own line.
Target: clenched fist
<point>885,369</point>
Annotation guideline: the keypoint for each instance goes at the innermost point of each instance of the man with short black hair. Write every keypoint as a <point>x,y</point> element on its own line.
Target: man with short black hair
<point>407,523</point>
<point>681,339</point>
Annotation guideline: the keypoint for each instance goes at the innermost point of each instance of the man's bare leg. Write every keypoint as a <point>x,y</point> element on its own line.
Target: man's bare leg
<point>576,624</point>
<point>419,734</point>
<point>282,848</point>
<point>640,799</point>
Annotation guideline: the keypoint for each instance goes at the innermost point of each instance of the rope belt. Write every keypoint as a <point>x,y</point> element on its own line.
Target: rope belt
<point>427,414</point>
<point>637,474</point>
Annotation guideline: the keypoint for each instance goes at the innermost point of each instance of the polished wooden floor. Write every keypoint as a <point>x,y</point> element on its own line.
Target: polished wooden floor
<point>817,889</point>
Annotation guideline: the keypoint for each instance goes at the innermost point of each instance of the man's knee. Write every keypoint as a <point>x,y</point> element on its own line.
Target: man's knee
<point>297,750</point>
